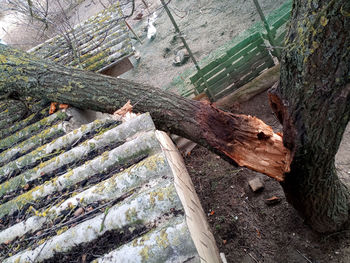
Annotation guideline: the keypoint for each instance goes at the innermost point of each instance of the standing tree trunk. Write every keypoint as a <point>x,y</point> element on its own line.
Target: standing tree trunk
<point>312,102</point>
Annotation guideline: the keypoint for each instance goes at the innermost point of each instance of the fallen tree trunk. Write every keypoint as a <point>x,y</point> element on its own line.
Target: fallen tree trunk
<point>244,139</point>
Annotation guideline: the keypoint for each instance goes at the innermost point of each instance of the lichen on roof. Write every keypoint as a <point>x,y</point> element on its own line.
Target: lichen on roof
<point>102,188</point>
<point>93,45</point>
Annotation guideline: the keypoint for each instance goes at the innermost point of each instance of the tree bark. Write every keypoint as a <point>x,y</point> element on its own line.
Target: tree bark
<point>244,139</point>
<point>312,102</point>
<point>13,110</point>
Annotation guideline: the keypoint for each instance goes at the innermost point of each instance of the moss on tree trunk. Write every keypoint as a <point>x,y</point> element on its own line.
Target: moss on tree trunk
<point>313,103</point>
<point>244,139</point>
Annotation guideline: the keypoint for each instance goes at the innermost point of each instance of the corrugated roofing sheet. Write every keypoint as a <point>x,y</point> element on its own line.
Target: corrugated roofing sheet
<point>94,45</point>
<point>105,191</point>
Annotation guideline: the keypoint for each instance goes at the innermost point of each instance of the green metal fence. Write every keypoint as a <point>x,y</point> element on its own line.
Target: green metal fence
<point>244,61</point>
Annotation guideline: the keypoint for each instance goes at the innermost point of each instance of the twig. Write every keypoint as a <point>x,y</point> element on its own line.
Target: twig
<point>335,233</point>
<point>249,254</point>
<point>40,251</point>
<point>308,260</point>
<point>103,219</point>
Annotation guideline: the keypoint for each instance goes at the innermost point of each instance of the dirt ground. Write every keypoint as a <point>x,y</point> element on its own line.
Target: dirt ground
<point>246,228</point>
<point>205,24</point>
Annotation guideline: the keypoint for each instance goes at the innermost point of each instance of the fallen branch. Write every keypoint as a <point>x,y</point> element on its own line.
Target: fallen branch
<point>244,139</point>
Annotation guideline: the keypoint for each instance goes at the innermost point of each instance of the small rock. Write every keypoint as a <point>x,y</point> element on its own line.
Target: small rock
<point>139,16</point>
<point>166,52</point>
<point>223,258</point>
<point>78,212</point>
<point>273,200</point>
<point>256,184</point>
<point>181,57</point>
<point>137,55</point>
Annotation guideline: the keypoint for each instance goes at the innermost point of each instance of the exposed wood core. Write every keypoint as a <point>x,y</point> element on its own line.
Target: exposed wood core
<point>247,140</point>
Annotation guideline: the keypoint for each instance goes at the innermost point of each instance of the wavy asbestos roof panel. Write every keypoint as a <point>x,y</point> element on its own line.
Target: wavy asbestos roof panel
<point>95,45</point>
<point>105,191</point>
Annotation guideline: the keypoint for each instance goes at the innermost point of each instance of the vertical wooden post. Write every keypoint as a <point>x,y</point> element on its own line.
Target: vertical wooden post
<point>270,36</point>
<point>132,31</point>
<point>177,30</point>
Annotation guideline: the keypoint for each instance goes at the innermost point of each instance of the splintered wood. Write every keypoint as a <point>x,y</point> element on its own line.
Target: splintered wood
<point>247,140</point>
<point>261,149</point>
<point>124,110</point>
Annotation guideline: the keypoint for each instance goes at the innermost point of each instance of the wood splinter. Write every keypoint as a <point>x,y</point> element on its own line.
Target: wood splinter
<point>248,141</point>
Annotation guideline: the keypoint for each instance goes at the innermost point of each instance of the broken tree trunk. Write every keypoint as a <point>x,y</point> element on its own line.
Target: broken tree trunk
<point>313,104</point>
<point>244,139</point>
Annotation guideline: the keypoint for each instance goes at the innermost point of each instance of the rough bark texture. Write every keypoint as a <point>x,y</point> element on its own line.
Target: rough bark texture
<point>313,104</point>
<point>13,110</point>
<point>224,133</point>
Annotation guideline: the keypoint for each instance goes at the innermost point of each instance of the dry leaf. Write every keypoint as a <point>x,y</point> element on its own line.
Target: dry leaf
<point>78,212</point>
<point>53,107</point>
<point>273,200</point>
<point>63,106</point>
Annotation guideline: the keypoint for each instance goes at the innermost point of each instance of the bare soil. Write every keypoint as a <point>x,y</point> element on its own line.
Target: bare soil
<point>245,227</point>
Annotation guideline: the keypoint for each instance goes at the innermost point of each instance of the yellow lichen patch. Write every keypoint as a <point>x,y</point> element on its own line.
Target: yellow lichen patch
<point>323,21</point>
<point>83,128</point>
<point>68,174</point>
<point>144,253</point>
<point>104,156</point>
<point>68,87</point>
<point>131,214</point>
<point>17,248</point>
<point>62,230</point>
<point>162,239</point>
<point>3,59</point>
<point>41,241</point>
<point>141,241</point>
<point>51,161</point>
<point>156,194</point>
<point>153,161</point>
